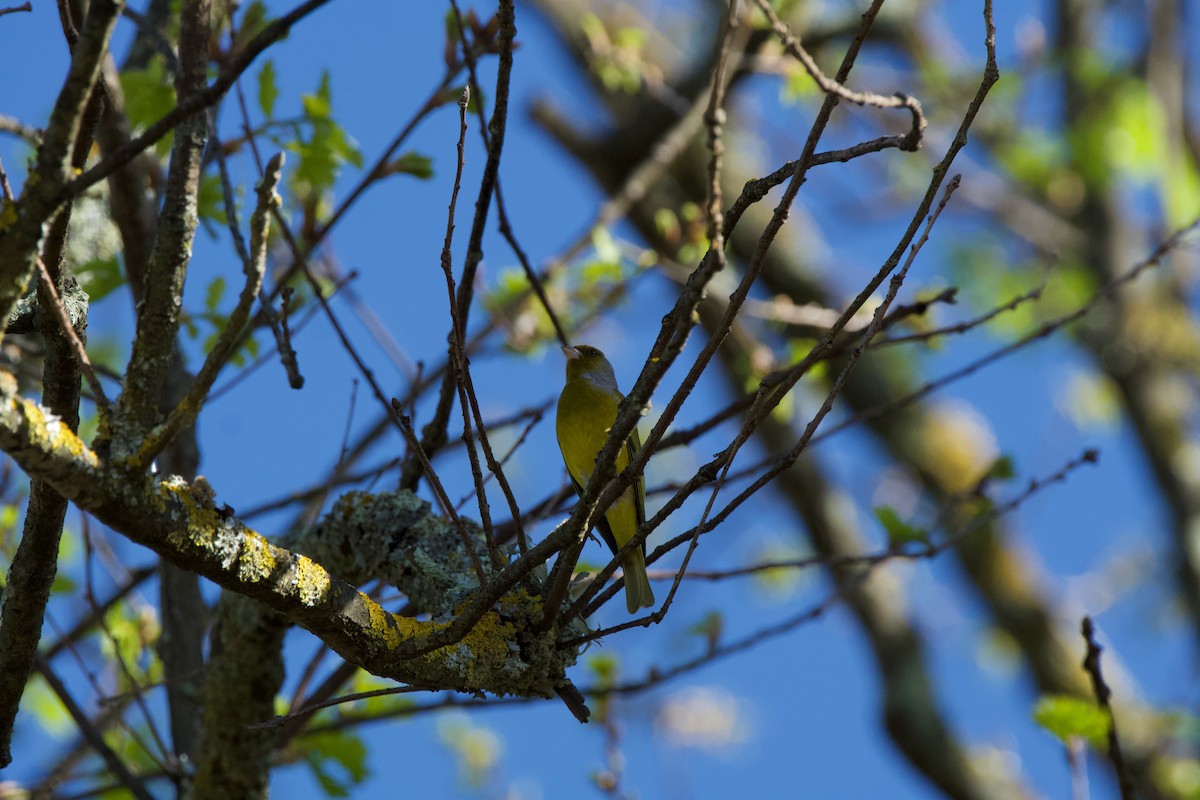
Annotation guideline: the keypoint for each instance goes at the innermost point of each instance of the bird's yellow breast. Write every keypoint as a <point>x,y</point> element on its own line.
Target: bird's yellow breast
<point>585,415</point>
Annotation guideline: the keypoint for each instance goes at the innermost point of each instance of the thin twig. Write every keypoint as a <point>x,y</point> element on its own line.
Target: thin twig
<point>837,87</point>
<point>68,330</point>
<point>283,342</point>
<point>348,698</point>
<point>1091,665</point>
<point>434,434</point>
<point>139,696</point>
<point>503,223</point>
<point>1033,294</point>
<point>198,101</point>
<point>415,444</point>
<point>26,6</point>
<point>188,408</point>
<point>458,358</point>
<point>767,401</point>
<point>93,737</point>
<point>708,268</point>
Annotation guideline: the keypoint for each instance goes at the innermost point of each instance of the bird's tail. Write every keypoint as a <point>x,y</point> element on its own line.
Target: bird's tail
<point>637,584</point>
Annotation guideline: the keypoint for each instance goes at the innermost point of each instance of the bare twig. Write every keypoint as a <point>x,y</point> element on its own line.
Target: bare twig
<point>434,434</point>
<point>279,329</point>
<point>707,269</point>
<point>1091,664</point>
<point>415,444</point>
<point>837,87</point>
<point>14,126</point>
<point>136,689</point>
<point>195,102</point>
<point>335,701</point>
<point>714,119</point>
<point>503,223</point>
<point>68,330</point>
<point>458,357</point>
<point>188,408</point>
<point>111,760</point>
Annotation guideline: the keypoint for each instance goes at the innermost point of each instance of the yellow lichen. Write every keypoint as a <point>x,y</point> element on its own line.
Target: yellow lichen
<point>312,581</point>
<point>47,433</point>
<point>8,214</point>
<point>256,562</point>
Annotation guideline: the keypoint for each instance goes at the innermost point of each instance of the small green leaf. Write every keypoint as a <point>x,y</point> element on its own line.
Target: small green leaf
<point>709,628</point>
<point>149,94</point>
<point>1066,716</point>
<point>325,151</point>
<point>898,531</point>
<point>319,105</point>
<point>210,200</point>
<point>100,277</point>
<point>62,584</point>
<point>268,90</point>
<point>254,19</point>
<point>214,293</point>
<point>45,707</point>
<point>342,749</point>
<point>1002,469</point>
<point>606,667</point>
<point>414,164</point>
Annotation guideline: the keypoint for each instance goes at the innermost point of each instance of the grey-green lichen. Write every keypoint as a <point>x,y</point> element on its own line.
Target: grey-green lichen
<point>397,537</point>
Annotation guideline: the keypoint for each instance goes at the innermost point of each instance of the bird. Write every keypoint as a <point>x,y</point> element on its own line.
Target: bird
<point>587,409</point>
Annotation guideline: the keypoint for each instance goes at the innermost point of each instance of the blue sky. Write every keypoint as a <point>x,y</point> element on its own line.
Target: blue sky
<point>808,702</point>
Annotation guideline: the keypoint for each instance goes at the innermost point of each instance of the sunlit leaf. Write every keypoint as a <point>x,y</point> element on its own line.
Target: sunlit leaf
<point>100,277</point>
<point>339,749</point>
<point>898,531</point>
<point>210,199</point>
<point>1067,716</point>
<point>149,94</point>
<point>268,91</point>
<point>214,293</point>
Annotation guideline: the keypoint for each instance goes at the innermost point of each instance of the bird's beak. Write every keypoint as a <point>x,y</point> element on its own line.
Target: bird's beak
<point>571,353</point>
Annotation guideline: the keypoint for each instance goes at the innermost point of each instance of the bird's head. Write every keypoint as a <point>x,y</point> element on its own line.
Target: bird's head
<point>585,362</point>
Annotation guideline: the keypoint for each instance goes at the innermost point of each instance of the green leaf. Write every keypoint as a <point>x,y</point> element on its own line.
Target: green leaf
<point>46,708</point>
<point>339,748</point>
<point>476,748</point>
<point>210,200</point>
<point>898,531</point>
<point>214,293</point>
<point>414,164</point>
<point>251,348</point>
<point>100,277</point>
<point>320,105</point>
<point>254,19</point>
<point>149,94</point>
<point>62,584</point>
<point>1066,717</point>
<point>606,667</point>
<point>268,91</point>
<point>133,632</point>
<point>709,628</point>
<point>1002,469</point>
<point>326,150</point>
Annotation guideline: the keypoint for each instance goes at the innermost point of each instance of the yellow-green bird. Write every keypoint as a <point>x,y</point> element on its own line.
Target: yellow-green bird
<point>587,408</point>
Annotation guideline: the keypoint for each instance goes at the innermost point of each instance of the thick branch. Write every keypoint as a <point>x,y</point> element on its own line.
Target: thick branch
<point>178,521</point>
<point>158,314</point>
